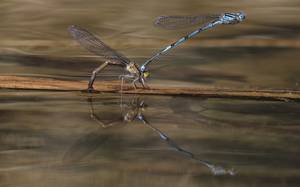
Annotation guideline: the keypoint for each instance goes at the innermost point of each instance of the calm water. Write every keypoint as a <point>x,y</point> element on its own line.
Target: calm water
<point>51,139</point>
<point>76,139</point>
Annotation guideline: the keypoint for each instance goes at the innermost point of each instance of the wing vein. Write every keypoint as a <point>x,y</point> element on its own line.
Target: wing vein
<point>93,44</point>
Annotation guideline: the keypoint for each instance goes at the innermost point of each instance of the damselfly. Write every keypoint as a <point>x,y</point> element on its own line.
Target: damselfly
<point>135,72</point>
<point>172,22</point>
<point>93,44</point>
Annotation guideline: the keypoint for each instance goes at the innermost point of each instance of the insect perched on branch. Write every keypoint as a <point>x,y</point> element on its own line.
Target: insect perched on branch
<point>135,72</point>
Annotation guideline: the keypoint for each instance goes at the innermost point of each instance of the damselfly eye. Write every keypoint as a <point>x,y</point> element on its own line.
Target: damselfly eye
<point>241,16</point>
<point>146,74</point>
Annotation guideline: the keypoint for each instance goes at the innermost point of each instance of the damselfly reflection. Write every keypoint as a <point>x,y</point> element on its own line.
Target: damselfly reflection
<point>133,111</point>
<point>129,112</point>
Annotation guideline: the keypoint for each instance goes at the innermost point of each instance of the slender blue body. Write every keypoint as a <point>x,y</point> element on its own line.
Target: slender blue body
<point>226,18</point>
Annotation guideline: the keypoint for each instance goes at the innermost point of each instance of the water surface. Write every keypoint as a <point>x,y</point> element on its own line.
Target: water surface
<point>75,139</point>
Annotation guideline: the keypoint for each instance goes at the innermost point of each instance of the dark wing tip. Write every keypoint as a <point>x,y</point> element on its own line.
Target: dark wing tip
<point>166,22</point>
<point>71,28</point>
<point>77,32</point>
<point>158,20</point>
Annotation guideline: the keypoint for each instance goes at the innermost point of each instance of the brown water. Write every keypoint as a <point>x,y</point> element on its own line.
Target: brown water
<point>75,139</point>
<point>50,139</point>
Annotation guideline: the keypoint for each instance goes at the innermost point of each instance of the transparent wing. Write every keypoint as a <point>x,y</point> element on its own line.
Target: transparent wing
<point>93,44</point>
<point>179,22</point>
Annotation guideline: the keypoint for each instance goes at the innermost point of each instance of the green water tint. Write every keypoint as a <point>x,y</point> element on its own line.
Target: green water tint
<point>52,138</point>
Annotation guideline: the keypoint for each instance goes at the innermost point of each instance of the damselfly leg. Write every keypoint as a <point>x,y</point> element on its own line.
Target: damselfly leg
<point>96,71</point>
<point>134,80</point>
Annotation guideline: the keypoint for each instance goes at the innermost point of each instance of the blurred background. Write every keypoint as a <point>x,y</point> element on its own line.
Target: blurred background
<point>52,138</point>
<point>261,52</point>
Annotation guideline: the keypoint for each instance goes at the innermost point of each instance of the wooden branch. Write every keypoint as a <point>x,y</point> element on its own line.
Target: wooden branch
<point>33,83</point>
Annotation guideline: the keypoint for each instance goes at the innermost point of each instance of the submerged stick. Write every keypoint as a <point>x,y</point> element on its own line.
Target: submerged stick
<point>33,83</point>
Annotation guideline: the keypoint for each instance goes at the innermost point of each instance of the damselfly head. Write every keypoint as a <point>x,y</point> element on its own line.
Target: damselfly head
<point>241,16</point>
<point>232,18</point>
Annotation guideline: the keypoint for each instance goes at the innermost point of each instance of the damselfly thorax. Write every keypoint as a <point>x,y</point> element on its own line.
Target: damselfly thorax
<point>133,69</point>
<point>135,74</point>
